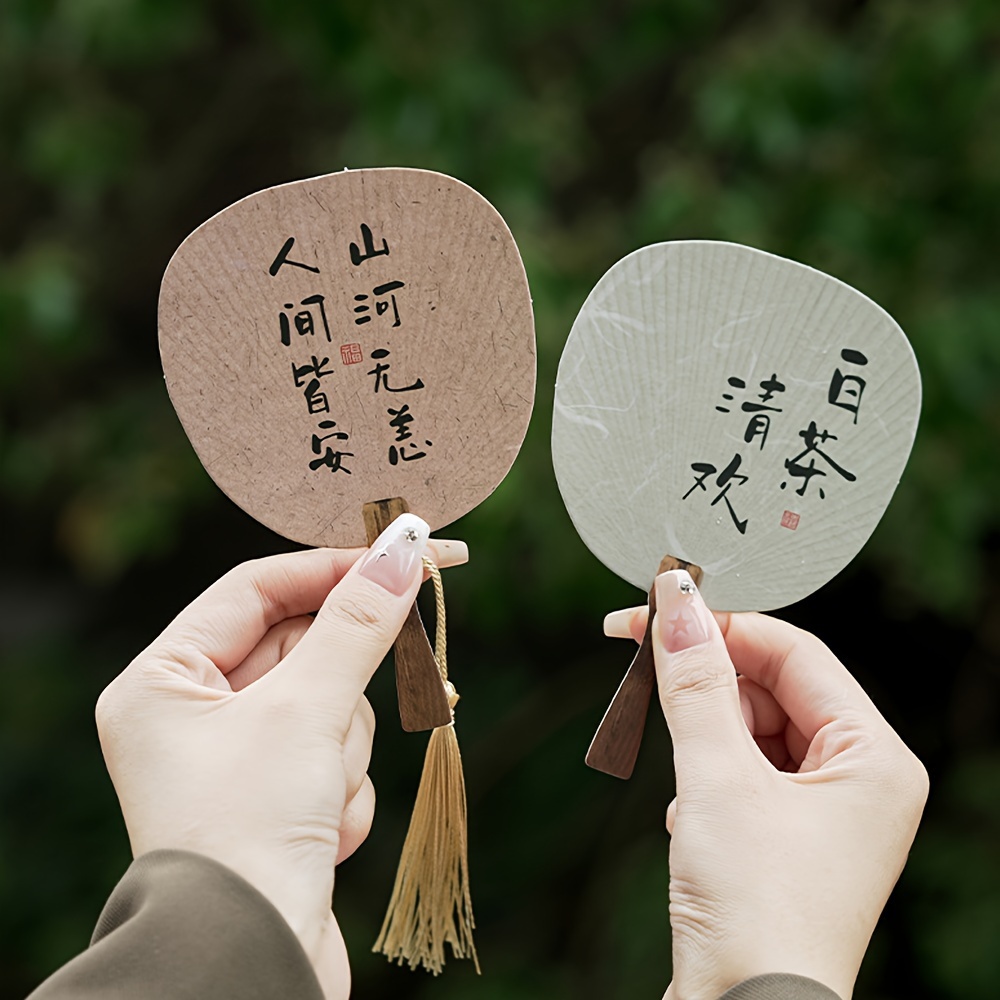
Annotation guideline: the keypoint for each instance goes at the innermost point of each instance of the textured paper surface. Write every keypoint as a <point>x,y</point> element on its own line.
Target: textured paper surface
<point>281,315</point>
<point>640,399</point>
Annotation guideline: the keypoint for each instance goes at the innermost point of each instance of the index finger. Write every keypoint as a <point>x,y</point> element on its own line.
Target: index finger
<point>227,621</point>
<point>807,680</point>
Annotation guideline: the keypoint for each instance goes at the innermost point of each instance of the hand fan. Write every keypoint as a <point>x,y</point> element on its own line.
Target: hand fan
<point>730,412</point>
<point>363,338</point>
<point>342,349</point>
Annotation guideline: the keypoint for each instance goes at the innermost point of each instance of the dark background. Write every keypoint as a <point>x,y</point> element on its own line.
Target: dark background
<point>860,138</point>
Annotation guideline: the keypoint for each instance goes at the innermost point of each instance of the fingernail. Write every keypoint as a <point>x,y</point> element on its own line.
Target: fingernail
<point>392,560</point>
<point>448,552</point>
<point>682,615</point>
<point>618,624</point>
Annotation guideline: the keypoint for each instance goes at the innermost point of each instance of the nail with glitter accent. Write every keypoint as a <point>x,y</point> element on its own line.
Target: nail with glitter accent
<point>681,614</point>
<point>392,560</point>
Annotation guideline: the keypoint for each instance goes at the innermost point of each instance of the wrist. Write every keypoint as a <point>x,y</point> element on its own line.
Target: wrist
<point>301,894</point>
<point>305,905</point>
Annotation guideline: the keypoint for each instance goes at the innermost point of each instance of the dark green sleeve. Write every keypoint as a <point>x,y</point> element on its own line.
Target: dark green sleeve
<point>182,927</point>
<point>780,986</point>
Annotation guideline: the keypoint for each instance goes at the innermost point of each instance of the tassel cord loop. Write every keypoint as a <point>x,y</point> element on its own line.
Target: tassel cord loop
<point>430,904</point>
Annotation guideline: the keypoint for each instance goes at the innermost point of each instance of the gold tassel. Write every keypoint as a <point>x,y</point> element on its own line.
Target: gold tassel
<point>430,903</point>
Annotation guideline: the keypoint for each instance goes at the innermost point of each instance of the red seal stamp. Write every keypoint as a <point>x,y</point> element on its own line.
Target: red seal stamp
<point>790,520</point>
<point>351,354</point>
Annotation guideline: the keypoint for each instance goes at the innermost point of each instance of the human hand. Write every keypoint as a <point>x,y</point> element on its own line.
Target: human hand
<point>796,801</point>
<point>242,733</point>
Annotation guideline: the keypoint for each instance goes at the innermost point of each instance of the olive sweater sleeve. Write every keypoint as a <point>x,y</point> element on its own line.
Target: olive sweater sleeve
<point>180,926</point>
<point>780,986</point>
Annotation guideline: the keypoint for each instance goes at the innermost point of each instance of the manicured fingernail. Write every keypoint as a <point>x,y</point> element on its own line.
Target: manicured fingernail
<point>618,624</point>
<point>682,615</point>
<point>392,560</point>
<point>448,552</point>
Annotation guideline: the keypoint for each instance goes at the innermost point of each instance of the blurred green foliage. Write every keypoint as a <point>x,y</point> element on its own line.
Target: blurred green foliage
<point>860,138</point>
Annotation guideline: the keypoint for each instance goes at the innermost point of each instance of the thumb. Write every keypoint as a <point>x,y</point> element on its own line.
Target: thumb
<point>696,680</point>
<point>358,622</point>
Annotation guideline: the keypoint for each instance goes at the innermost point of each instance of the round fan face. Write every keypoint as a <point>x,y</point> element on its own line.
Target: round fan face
<point>350,338</point>
<point>735,410</point>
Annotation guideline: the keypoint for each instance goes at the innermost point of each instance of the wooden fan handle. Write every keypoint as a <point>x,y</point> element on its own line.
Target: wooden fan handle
<point>423,703</point>
<point>615,745</point>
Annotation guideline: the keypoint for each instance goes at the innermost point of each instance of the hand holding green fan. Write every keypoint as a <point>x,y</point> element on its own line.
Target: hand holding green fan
<point>731,412</point>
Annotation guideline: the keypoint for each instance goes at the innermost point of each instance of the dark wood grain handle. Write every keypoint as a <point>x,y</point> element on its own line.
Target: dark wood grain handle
<point>423,703</point>
<point>615,745</point>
